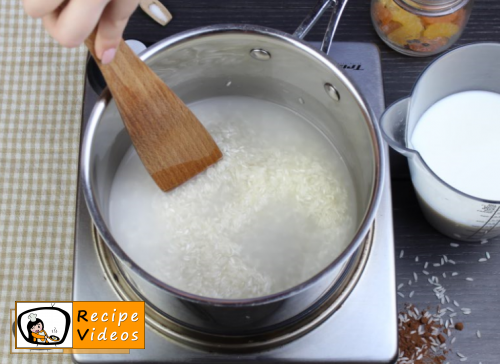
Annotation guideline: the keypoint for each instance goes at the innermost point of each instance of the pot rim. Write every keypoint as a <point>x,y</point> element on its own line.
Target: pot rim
<point>362,231</point>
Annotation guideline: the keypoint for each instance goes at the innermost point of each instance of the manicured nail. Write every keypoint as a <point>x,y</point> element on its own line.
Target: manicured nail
<point>108,56</point>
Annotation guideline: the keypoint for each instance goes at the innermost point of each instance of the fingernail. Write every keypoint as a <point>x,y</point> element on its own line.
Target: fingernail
<point>108,56</point>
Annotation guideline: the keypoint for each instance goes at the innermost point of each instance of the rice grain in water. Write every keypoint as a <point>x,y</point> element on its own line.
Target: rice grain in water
<point>277,209</point>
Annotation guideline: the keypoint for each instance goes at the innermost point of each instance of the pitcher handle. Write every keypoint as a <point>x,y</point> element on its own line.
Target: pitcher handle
<point>393,125</point>
<point>321,7</point>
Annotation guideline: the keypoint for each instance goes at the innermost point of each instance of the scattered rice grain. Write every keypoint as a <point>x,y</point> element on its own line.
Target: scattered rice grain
<point>411,294</point>
<point>401,295</point>
<point>454,245</point>
<point>400,286</point>
<point>482,260</point>
<point>401,254</point>
<point>488,255</point>
<point>469,279</point>
<point>454,274</point>
<point>478,333</point>
<point>426,265</point>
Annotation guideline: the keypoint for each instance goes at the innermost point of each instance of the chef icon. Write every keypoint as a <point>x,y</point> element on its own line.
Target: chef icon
<point>35,330</point>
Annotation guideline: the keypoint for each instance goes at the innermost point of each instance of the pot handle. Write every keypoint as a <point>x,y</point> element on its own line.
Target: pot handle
<point>393,124</point>
<point>321,7</point>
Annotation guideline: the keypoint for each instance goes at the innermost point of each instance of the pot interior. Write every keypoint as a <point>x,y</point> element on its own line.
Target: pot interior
<point>213,64</point>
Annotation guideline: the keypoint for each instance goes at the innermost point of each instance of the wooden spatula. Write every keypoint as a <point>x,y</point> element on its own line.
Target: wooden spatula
<point>171,142</point>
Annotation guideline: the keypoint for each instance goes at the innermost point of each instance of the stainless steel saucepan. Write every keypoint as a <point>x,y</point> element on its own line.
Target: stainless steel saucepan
<point>262,63</point>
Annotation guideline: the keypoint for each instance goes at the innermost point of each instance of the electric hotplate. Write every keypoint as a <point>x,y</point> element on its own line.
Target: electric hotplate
<point>362,330</point>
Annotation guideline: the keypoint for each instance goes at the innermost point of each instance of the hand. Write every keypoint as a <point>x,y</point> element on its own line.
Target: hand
<point>70,22</point>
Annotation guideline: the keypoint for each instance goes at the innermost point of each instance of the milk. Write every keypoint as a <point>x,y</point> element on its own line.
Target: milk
<point>459,139</point>
<point>277,209</point>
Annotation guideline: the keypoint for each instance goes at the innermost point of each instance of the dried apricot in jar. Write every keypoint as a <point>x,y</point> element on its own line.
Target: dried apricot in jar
<point>425,45</point>
<point>450,18</point>
<point>382,14</point>
<point>390,27</point>
<point>441,30</point>
<point>460,20</point>
<point>402,16</point>
<point>407,32</point>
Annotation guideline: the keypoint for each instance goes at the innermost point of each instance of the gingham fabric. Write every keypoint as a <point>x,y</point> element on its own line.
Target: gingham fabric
<point>41,87</point>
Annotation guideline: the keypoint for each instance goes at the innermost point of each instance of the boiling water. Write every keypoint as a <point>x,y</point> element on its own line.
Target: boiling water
<point>277,209</point>
<point>458,137</point>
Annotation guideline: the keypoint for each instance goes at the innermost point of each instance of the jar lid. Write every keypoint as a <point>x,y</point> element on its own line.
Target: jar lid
<point>431,7</point>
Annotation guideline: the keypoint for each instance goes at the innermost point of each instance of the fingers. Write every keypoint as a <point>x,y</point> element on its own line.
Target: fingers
<point>74,23</point>
<point>111,27</point>
<point>38,9</point>
<point>71,22</point>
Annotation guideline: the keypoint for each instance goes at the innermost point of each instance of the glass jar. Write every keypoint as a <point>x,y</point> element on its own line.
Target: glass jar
<point>420,27</point>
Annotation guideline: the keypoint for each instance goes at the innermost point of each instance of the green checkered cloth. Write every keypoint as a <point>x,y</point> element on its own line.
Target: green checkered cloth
<point>41,89</point>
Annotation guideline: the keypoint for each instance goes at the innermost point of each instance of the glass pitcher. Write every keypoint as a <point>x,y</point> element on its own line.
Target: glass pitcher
<point>452,212</point>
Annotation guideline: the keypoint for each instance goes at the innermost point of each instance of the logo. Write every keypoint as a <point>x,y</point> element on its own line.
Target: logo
<point>43,325</point>
<point>93,325</point>
<point>352,66</point>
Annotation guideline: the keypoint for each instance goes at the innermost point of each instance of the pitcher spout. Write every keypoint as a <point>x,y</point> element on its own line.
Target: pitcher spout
<point>393,124</point>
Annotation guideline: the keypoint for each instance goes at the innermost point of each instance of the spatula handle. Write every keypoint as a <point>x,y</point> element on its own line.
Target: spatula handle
<point>124,61</point>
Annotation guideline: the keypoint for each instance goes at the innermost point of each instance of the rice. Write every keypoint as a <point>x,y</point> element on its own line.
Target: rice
<point>269,215</point>
<point>454,245</point>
